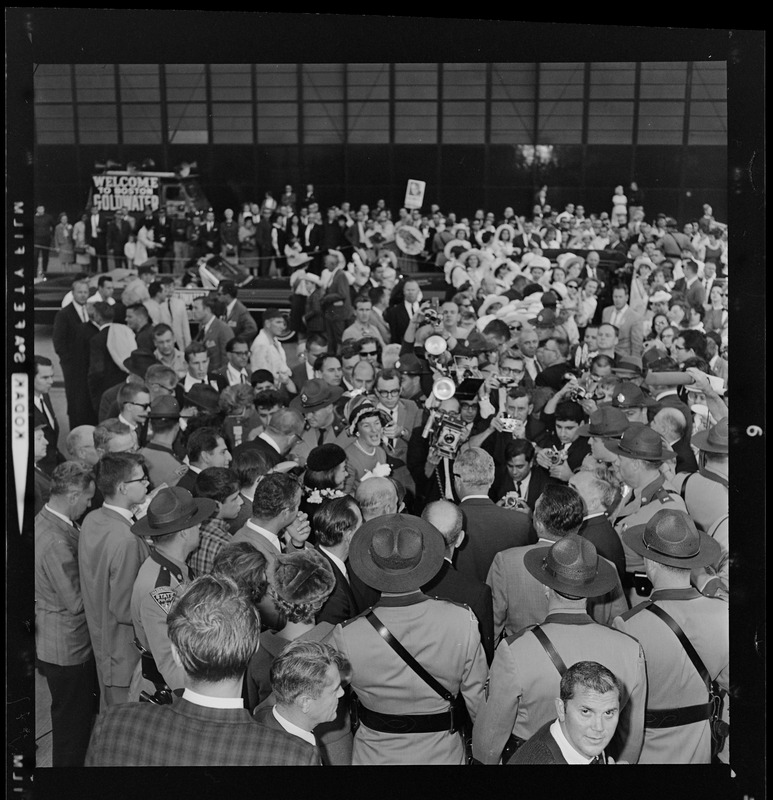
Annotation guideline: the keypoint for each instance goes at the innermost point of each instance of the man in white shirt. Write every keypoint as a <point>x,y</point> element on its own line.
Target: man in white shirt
<point>528,342</point>
<point>166,351</point>
<point>197,358</point>
<point>267,352</point>
<point>134,403</point>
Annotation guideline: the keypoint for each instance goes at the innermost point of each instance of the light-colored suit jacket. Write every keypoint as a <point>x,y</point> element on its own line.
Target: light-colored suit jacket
<point>109,558</point>
<point>631,331</point>
<point>177,320</point>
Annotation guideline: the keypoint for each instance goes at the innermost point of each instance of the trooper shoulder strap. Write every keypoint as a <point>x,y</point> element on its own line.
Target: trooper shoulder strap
<point>543,639</point>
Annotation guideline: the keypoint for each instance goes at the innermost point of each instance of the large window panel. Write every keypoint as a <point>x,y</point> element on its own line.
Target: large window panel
<point>231,82</point>
<point>560,122</point>
<point>97,124</point>
<point>514,82</point>
<point>53,83</point>
<point>276,82</point>
<point>708,123</point>
<point>323,123</point>
<point>139,83</point>
<point>323,82</point>
<point>368,123</point>
<point>416,82</point>
<point>661,123</point>
<point>277,123</point>
<point>94,83</point>
<point>464,82</point>
<point>416,123</point>
<point>613,80</point>
<point>231,123</point>
<point>709,81</point>
<point>186,83</point>
<point>464,123</point>
<point>367,82</point>
<point>141,123</point>
<point>54,124</point>
<point>561,81</point>
<point>663,80</point>
<point>187,123</point>
<point>610,122</point>
<point>512,122</point>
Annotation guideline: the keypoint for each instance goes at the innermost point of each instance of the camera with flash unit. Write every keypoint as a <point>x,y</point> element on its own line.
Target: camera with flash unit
<point>577,392</point>
<point>555,456</point>
<point>512,425</point>
<point>504,381</point>
<point>431,316</point>
<point>446,434</point>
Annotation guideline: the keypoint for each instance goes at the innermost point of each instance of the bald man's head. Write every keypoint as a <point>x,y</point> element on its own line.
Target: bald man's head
<point>376,497</point>
<point>80,445</point>
<point>448,519</point>
<point>670,424</point>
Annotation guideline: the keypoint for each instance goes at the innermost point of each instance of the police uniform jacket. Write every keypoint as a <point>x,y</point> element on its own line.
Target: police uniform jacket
<point>705,494</point>
<point>641,506</point>
<point>163,465</point>
<point>152,596</point>
<point>443,637</point>
<point>519,598</point>
<point>185,734</point>
<point>524,683</point>
<point>673,680</point>
<point>109,558</point>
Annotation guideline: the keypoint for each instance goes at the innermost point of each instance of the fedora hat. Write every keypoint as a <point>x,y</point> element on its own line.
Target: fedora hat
<point>640,441</point>
<point>314,395</point>
<point>164,407</point>
<point>572,566</point>
<point>409,364</point>
<point>628,366</point>
<point>715,440</point>
<point>173,509</point>
<point>629,395</point>
<point>606,421</point>
<point>670,537</point>
<point>203,396</point>
<point>139,361</point>
<point>396,552</point>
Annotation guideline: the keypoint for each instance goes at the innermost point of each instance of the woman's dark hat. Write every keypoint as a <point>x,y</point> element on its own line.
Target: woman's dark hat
<point>715,440</point>
<point>640,441</point>
<point>203,396</point>
<point>606,421</point>
<point>173,509</point>
<point>572,566</point>
<point>325,457</point>
<point>396,552</point>
<point>670,537</point>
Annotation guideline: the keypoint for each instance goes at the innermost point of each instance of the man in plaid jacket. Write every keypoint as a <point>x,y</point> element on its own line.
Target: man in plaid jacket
<point>214,630</point>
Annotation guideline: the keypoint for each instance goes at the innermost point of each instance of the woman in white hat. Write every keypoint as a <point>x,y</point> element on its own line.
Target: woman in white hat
<point>366,454</point>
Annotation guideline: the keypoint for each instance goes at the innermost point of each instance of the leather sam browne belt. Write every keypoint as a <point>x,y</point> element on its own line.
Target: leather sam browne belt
<point>672,717</point>
<point>406,723</point>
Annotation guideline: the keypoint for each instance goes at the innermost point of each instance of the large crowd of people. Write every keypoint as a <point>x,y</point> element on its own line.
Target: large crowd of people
<point>435,531</point>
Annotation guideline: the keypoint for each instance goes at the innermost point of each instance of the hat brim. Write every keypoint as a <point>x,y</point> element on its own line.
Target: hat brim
<point>361,560</point>
<point>709,552</point>
<point>296,404</point>
<point>701,441</point>
<point>204,509</point>
<point>188,400</point>
<point>585,430</point>
<point>604,581</point>
<point>158,415</point>
<point>613,445</point>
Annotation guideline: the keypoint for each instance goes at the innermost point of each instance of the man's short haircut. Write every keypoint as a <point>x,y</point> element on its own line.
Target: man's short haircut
<point>103,279</point>
<point>374,495</point>
<point>216,483</point>
<point>447,517</point>
<point>699,363</point>
<point>519,447</point>
<point>377,294</point>
<point>155,289</point>
<point>213,303</point>
<point>232,398</point>
<point>561,343</point>
<point>560,509</point>
<point>76,437</point>
<point>569,411</point>
<point>107,430</point>
<point>602,360</point>
<point>268,398</point>
<point>609,325</point>
<point>512,354</point>
<point>214,627</point>
<point>286,422</point>
<point>349,349</point>
<point>691,265</point>
<point>498,328</point>
<point>674,420</point>
<point>249,464</point>
<point>113,468</point>
<point>599,489</point>
<point>231,343</point>
<point>138,308</point>
<point>366,340</point>
<point>129,392</point>
<point>79,280</point>
<point>520,391</point>
<point>695,341</point>
<point>156,373</point>
<point>319,363</point>
<point>277,492</point>
<point>475,467</point>
<point>161,329</point>
<point>301,669</point>
<point>202,440</point>
<point>193,348</point>
<point>362,297</point>
<point>229,288</point>
<point>145,269</point>
<point>589,675</point>
<point>699,310</point>
<point>387,374</point>
<point>244,564</point>
<point>165,280</point>
<point>318,339</point>
<point>333,519</point>
<point>41,361</point>
<point>71,476</point>
<point>105,312</point>
<point>622,287</point>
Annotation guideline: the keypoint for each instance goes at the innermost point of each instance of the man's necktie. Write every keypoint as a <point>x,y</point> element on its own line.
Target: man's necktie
<point>596,760</point>
<point>321,437</point>
<point>518,489</point>
<point>169,306</point>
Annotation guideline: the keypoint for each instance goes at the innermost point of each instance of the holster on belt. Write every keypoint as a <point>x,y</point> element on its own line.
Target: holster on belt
<point>163,694</point>
<point>513,743</point>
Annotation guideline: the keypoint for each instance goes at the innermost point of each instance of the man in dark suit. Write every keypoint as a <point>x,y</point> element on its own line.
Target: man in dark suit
<point>449,584</point>
<point>526,240</point>
<point>212,330</point>
<point>96,237</point>
<point>520,478</point>
<point>236,314</point>
<point>139,322</point>
<point>399,314</point>
<point>103,372</point>
<point>44,414</point>
<point>490,528</point>
<point>208,725</point>
<point>670,423</point>
<point>333,525</point>
<point>284,429</point>
<point>66,337</point>
<point>563,418</point>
